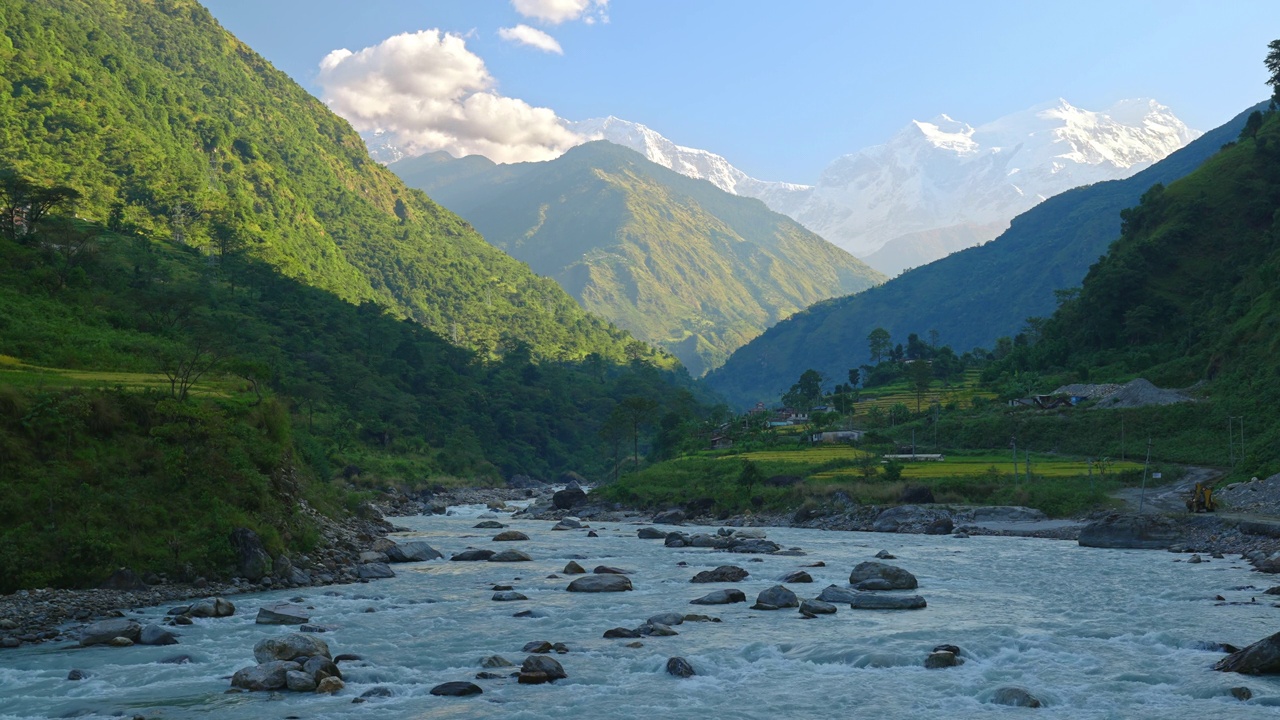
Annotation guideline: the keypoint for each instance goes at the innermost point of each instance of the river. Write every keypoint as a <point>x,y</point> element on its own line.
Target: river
<point>1092,633</point>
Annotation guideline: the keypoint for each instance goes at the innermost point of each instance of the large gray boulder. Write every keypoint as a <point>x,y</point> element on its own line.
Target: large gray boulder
<point>104,631</point>
<point>651,533</point>
<point>1142,532</point>
<point>1015,697</point>
<point>510,536</point>
<point>910,518</point>
<point>415,551</point>
<point>271,675</point>
<point>721,597</point>
<point>872,601</point>
<point>669,517</point>
<point>252,560</point>
<point>456,688</point>
<point>680,667</point>
<point>537,669</point>
<point>288,647</point>
<point>601,583</point>
<point>837,594</point>
<point>817,607</point>
<point>1260,658</point>
<point>889,577</point>
<point>299,681</point>
<point>753,545</point>
<point>472,555</point>
<point>374,571</point>
<point>667,618</point>
<point>283,614</point>
<point>568,498</point>
<point>724,573</point>
<point>510,556</point>
<point>211,607</point>
<point>774,598</point>
<point>156,635</point>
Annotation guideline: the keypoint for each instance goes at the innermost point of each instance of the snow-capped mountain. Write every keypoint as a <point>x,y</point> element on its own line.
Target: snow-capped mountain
<point>780,196</point>
<point>942,185</point>
<point>381,148</point>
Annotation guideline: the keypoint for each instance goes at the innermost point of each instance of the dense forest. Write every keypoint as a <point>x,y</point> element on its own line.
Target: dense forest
<point>171,127</point>
<point>217,312</point>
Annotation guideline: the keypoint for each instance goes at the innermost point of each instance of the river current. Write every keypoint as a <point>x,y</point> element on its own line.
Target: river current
<point>1092,633</point>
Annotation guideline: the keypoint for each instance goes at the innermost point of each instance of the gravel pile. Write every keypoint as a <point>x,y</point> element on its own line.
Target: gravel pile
<point>1257,497</point>
<point>1135,393</point>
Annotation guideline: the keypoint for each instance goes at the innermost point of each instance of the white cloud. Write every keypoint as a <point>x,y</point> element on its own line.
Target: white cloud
<point>532,37</point>
<point>558,11</point>
<point>430,92</point>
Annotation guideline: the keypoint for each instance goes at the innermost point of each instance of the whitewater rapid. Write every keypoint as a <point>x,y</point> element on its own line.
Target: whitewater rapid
<point>1092,633</point>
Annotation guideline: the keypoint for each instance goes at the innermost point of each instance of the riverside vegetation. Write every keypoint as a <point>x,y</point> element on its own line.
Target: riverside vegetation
<point>229,309</point>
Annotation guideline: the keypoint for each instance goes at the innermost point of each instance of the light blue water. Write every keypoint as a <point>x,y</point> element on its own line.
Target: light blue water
<point>1092,633</point>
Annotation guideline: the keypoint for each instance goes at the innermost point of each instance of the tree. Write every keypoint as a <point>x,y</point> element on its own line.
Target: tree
<point>806,392</point>
<point>23,204</point>
<point>879,342</point>
<point>921,375</point>
<point>638,411</point>
<point>1273,66</point>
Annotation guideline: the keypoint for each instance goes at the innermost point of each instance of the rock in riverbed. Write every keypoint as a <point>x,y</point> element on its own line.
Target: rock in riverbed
<point>724,573</point>
<point>1015,697</point>
<point>871,601</point>
<point>775,598</point>
<point>456,689</point>
<point>881,577</point>
<point>509,536</point>
<point>721,597</point>
<point>600,583</point>
<point>472,555</point>
<point>282,614</point>
<point>288,647</point>
<point>538,669</point>
<point>1260,658</point>
<point>837,594</point>
<point>680,667</point>
<point>104,631</point>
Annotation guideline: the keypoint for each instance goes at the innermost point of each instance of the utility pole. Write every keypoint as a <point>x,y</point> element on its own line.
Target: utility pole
<point>1122,438</point>
<point>1027,453</point>
<point>1014,439</point>
<point>1142,499</point>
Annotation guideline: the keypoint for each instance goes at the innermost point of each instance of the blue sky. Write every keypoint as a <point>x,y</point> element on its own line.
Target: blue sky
<point>779,88</point>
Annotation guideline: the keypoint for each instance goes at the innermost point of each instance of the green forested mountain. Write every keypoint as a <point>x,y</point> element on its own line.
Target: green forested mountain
<point>170,126</point>
<point>676,261</point>
<point>971,297</point>
<point>1190,292</point>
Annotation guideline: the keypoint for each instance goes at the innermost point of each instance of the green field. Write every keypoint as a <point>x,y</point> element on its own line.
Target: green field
<point>886,396</point>
<point>14,372</point>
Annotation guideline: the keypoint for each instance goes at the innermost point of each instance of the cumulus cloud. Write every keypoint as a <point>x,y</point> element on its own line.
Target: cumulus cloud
<point>429,92</point>
<point>532,37</point>
<point>558,11</point>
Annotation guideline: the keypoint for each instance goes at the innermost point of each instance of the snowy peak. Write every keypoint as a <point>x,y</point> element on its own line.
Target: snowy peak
<point>945,176</point>
<point>692,162</point>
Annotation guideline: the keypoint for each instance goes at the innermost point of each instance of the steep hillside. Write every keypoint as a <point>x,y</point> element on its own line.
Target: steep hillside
<point>676,261</point>
<point>1190,293</point>
<point>971,297</point>
<point>166,122</point>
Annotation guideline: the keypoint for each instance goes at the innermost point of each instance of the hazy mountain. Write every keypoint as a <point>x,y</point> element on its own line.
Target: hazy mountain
<point>971,297</point>
<point>676,261</point>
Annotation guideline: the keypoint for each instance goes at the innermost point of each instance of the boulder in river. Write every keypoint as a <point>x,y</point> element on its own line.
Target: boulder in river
<point>104,631</point>
<point>568,498</point>
<point>537,669</point>
<point>621,632</point>
<point>609,570</point>
<point>600,583</point>
<point>488,525</point>
<point>721,597</point>
<point>1128,531</point>
<point>1015,697</point>
<point>939,659</point>
<point>330,685</point>
<point>510,556</point>
<point>288,647</point>
<point>816,607</point>
<point>837,594</point>
<point>872,601</point>
<point>456,689</point>
<point>321,667</point>
<point>651,533</point>
<point>472,555</point>
<point>724,573</point>
<point>893,577</point>
<point>211,607</point>
<point>416,551</point>
<point>680,667</point>
<point>573,568</point>
<point>374,571</point>
<point>282,614</point>
<point>799,576</point>
<point>886,555</point>
<point>669,517</point>
<point>271,675</point>
<point>775,598</point>
<point>156,635</point>
<point>667,618</point>
<point>509,536</point>
<point>1260,658</point>
<point>496,661</point>
<point>299,681</point>
<point>508,596</point>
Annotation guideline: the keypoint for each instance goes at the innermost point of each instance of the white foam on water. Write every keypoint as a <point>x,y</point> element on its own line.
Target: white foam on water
<point>1092,633</point>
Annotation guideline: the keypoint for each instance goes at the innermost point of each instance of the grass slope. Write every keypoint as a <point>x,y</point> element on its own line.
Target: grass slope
<point>676,261</point>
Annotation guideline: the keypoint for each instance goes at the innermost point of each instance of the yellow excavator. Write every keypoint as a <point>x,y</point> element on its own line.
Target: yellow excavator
<point>1201,499</point>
